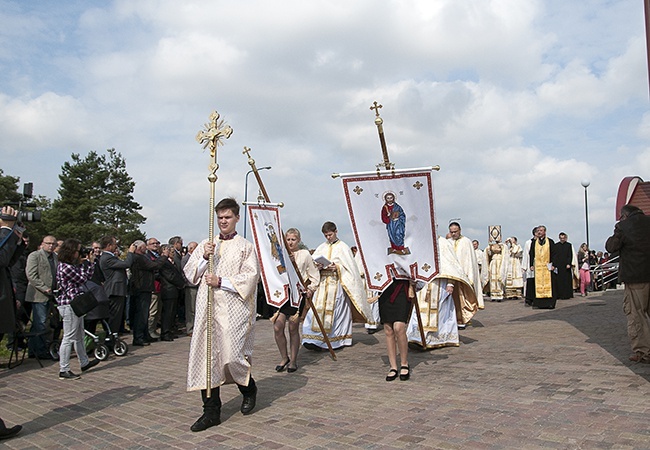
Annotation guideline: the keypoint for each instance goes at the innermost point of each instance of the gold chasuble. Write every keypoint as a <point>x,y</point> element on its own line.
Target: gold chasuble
<point>347,276</point>
<point>543,286</point>
<point>451,271</point>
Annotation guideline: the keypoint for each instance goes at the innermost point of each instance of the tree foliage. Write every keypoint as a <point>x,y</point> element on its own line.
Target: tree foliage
<point>8,188</point>
<point>96,198</point>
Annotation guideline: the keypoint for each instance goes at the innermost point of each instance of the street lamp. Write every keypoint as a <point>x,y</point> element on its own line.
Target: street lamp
<point>246,193</point>
<point>585,184</point>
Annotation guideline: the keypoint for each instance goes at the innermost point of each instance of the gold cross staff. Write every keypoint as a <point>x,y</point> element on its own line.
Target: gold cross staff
<point>380,128</point>
<point>213,135</point>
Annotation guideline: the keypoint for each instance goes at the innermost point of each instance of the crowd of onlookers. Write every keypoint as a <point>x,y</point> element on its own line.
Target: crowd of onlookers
<point>146,291</point>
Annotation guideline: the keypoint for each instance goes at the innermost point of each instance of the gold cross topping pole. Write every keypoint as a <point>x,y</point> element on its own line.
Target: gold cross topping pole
<point>380,128</point>
<point>251,162</point>
<point>213,135</point>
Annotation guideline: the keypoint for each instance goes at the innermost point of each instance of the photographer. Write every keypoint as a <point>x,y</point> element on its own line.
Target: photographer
<point>11,247</point>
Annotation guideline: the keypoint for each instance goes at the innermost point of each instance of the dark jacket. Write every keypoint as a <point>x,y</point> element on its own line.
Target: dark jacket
<point>10,251</point>
<point>19,277</point>
<point>143,272</point>
<point>632,240</point>
<point>114,269</point>
<point>171,280</point>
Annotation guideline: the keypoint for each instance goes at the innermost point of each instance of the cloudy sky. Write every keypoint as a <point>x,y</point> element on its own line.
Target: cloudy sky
<point>517,101</point>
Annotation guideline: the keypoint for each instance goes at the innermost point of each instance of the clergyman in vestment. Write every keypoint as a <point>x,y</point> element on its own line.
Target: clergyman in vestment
<point>466,307</point>
<point>234,285</point>
<point>436,302</point>
<point>340,298</point>
<point>541,257</point>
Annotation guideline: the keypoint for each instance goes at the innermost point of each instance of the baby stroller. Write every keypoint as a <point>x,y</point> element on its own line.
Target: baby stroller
<point>102,342</point>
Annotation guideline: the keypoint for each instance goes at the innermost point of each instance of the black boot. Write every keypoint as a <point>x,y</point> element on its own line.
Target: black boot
<point>250,395</point>
<point>6,433</point>
<point>211,411</point>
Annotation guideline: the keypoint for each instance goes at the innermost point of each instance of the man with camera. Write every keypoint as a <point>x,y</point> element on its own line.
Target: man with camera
<point>41,274</point>
<point>11,247</point>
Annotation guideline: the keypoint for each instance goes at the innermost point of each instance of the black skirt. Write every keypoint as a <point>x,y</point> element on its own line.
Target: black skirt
<point>394,305</point>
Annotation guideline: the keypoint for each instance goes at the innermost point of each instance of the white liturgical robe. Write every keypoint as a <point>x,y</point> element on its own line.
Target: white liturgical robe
<point>233,314</point>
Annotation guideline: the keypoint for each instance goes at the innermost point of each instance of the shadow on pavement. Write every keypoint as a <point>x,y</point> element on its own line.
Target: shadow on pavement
<point>108,398</point>
<point>600,317</point>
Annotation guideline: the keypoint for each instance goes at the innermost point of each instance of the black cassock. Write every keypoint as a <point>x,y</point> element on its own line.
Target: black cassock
<point>563,257</point>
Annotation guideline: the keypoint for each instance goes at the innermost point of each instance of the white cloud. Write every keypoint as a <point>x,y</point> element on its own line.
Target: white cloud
<point>505,95</point>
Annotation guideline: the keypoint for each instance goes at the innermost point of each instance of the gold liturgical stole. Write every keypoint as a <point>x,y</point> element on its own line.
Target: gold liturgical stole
<point>543,287</point>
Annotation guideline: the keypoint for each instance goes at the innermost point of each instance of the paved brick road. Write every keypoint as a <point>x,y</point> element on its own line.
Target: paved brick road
<point>521,378</point>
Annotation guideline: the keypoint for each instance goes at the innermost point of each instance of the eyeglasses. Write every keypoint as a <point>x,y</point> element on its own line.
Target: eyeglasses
<point>153,243</point>
<point>49,243</point>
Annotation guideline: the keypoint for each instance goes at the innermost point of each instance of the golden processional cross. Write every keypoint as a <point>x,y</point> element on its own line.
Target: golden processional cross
<point>386,164</point>
<point>215,132</point>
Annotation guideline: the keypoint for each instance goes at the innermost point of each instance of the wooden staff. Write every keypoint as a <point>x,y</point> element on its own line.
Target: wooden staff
<point>212,136</point>
<point>251,162</point>
<point>386,164</point>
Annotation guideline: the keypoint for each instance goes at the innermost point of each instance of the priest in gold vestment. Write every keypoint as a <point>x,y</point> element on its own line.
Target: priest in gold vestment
<point>340,298</point>
<point>436,302</point>
<point>466,307</point>
<point>234,284</point>
<point>541,259</point>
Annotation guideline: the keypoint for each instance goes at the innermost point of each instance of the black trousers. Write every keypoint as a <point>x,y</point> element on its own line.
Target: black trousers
<point>116,312</point>
<point>140,303</point>
<point>169,308</point>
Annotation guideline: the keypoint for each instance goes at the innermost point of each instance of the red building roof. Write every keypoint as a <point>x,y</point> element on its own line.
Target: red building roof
<point>634,191</point>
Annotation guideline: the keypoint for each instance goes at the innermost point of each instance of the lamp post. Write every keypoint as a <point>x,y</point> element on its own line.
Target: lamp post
<point>585,184</point>
<point>246,193</point>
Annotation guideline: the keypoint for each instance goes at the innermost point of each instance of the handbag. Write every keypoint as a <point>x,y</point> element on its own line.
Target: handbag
<point>83,303</point>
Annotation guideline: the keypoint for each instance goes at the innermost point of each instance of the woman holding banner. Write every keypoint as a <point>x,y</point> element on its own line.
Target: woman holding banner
<point>311,277</point>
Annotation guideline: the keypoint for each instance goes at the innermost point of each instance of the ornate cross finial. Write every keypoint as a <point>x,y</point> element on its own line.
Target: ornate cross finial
<point>215,132</point>
<point>376,107</point>
<point>251,161</point>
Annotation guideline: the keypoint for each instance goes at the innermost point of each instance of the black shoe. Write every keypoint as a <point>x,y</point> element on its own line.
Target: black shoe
<point>248,404</point>
<point>90,365</point>
<point>68,376</point>
<point>292,369</point>
<point>404,376</point>
<point>151,339</point>
<point>140,343</point>
<point>204,422</point>
<point>6,433</point>
<point>372,330</point>
<point>313,347</point>
<point>281,367</point>
<point>166,338</point>
<point>392,375</point>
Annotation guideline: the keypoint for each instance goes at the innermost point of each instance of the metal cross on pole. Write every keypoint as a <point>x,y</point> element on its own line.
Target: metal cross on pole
<point>380,128</point>
<point>213,135</point>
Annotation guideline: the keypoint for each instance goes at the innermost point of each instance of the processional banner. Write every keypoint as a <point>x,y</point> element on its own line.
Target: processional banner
<point>394,225</point>
<point>279,277</point>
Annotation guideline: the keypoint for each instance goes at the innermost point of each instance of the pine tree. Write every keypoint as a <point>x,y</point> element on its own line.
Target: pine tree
<point>8,189</point>
<point>96,198</point>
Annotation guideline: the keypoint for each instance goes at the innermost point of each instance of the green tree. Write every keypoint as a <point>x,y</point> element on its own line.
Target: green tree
<point>96,198</point>
<point>9,188</point>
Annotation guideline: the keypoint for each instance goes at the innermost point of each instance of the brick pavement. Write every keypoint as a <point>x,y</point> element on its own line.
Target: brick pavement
<point>522,378</point>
